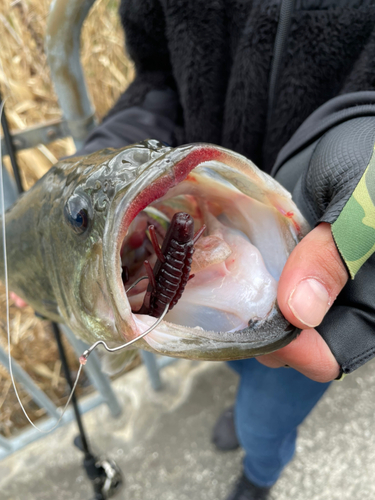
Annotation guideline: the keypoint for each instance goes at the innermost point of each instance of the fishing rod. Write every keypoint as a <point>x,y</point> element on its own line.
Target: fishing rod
<point>11,149</point>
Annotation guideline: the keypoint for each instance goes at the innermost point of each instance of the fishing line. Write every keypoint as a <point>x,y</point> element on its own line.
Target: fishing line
<point>85,355</point>
<point>7,316</point>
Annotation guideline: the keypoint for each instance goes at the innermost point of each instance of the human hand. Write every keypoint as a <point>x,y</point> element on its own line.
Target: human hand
<point>336,188</point>
<point>310,282</point>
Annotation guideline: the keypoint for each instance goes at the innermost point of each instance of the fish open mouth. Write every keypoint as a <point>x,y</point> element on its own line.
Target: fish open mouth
<point>251,227</point>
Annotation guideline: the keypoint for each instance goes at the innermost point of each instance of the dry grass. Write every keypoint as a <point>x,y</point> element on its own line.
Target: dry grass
<point>25,81</point>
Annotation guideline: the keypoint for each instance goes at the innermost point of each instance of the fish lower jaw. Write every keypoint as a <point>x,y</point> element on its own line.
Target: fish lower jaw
<point>256,338</point>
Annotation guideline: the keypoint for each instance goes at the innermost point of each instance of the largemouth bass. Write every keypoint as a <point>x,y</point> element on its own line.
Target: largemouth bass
<point>72,235</point>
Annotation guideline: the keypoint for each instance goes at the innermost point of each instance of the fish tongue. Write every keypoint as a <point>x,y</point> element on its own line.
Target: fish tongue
<point>209,250</point>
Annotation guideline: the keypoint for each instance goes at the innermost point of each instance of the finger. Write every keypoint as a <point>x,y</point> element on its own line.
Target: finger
<point>271,360</point>
<point>308,354</point>
<point>313,276</point>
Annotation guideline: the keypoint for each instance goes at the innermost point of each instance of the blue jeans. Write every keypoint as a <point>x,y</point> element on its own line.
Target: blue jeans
<point>270,404</point>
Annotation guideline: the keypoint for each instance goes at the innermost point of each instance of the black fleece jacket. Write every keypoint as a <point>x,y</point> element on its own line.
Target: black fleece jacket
<point>202,75</point>
<point>217,55</point>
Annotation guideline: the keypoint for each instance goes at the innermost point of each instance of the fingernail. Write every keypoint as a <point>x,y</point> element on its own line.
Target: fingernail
<point>309,302</point>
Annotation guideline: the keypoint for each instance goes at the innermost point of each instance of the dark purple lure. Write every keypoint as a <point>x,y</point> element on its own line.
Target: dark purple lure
<point>171,272</point>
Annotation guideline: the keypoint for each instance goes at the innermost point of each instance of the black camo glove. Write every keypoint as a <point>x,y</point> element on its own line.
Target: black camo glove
<point>336,184</point>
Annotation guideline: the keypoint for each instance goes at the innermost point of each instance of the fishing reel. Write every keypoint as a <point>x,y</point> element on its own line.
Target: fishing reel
<point>104,473</point>
<point>106,477</point>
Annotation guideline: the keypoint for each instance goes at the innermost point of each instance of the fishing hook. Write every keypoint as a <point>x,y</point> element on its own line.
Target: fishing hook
<point>136,283</point>
<point>88,351</point>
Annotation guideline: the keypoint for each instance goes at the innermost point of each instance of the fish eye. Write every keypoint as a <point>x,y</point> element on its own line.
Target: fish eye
<point>76,213</point>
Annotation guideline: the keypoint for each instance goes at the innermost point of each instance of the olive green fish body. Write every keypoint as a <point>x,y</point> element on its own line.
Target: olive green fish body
<point>70,236</point>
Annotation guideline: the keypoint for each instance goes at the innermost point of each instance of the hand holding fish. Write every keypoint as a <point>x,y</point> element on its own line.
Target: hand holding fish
<point>88,235</point>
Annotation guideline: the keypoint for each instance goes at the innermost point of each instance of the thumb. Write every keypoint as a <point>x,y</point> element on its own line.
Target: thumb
<point>313,276</point>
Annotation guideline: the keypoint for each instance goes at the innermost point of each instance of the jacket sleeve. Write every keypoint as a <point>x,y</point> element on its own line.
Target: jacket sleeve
<point>149,108</point>
<point>329,166</point>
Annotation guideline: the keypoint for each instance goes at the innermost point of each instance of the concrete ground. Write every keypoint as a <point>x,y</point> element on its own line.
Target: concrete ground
<point>162,443</point>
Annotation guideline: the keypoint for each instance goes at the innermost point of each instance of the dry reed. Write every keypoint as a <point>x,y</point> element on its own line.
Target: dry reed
<point>25,81</point>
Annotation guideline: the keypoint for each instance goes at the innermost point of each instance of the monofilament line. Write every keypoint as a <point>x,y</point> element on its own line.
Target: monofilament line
<point>7,303</point>
<point>85,355</point>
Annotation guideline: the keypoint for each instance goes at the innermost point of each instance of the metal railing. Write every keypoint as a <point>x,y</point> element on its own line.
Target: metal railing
<point>98,379</point>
